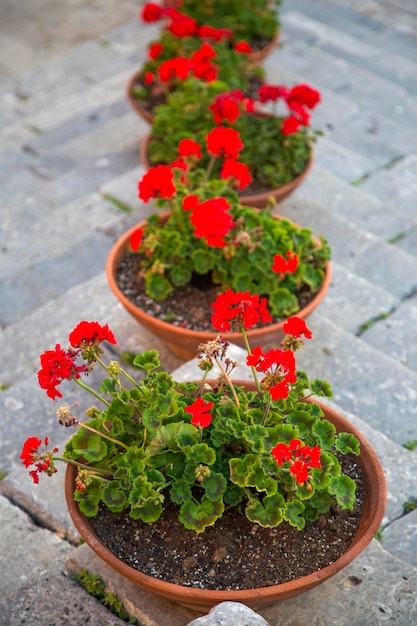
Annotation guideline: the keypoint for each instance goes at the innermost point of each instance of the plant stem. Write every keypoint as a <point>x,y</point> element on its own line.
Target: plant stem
<point>229,382</point>
<point>210,167</point>
<point>92,391</point>
<point>97,432</point>
<point>248,349</point>
<point>83,466</point>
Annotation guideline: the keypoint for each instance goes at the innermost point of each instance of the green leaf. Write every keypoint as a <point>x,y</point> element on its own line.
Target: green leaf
<point>292,514</point>
<point>180,491</point>
<point>91,446</point>
<point>260,480</point>
<point>198,515</point>
<point>108,385</point>
<point>325,432</point>
<point>200,453</point>
<point>240,468</point>
<point>181,274</point>
<point>167,435</point>
<point>114,497</point>
<point>89,499</point>
<point>346,442</point>
<point>147,361</point>
<point>321,388</point>
<point>204,261</point>
<point>214,485</point>
<point>343,488</point>
<point>157,285</point>
<point>268,513</point>
<point>303,421</point>
<point>149,512</point>
<point>255,436</point>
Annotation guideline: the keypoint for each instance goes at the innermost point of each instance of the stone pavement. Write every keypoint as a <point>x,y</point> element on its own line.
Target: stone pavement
<point>69,161</point>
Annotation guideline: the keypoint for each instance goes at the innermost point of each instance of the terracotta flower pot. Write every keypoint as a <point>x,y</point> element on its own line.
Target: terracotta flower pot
<point>202,600</point>
<point>258,200</point>
<point>183,341</point>
<point>135,103</point>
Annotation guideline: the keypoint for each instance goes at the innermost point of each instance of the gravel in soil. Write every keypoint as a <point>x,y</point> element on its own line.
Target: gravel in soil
<point>234,553</point>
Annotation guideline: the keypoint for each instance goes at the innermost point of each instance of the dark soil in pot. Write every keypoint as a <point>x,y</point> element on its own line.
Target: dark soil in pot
<point>234,553</point>
<point>187,307</point>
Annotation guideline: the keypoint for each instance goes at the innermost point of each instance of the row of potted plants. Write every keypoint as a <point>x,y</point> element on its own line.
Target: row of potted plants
<point>206,491</point>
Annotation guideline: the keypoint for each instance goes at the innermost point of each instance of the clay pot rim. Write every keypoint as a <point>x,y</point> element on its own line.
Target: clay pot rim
<point>373,475</point>
<point>201,335</point>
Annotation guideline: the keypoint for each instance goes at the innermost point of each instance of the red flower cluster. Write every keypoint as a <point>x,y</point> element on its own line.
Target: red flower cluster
<point>282,265</point>
<point>298,99</point>
<point>225,142</point>
<point>59,364</point>
<point>210,219</point>
<point>296,326</point>
<point>238,172</point>
<point>228,106</point>
<point>300,458</point>
<point>42,462</point>
<point>200,412</point>
<point>157,183</point>
<point>239,308</point>
<point>278,367</point>
<point>90,334</point>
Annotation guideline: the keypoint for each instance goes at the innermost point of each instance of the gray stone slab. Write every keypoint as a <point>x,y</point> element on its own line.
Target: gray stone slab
<point>352,301</point>
<point>358,51</point>
<point>375,584</point>
<point>346,164</point>
<point>366,382</point>
<point>51,324</point>
<point>396,335</point>
<point>391,189</point>
<point>400,537</point>
<point>384,216</point>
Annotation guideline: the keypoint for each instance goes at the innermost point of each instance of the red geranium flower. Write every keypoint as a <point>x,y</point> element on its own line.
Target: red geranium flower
<point>43,462</point>
<point>226,142</point>
<point>200,413</point>
<point>149,78</point>
<point>90,334</point>
<point>300,458</point>
<point>30,448</point>
<point>136,239</point>
<point>177,67</point>
<point>240,308</point>
<point>190,202</point>
<point>58,365</point>
<point>272,93</point>
<point>155,50</point>
<point>157,183</point>
<point>243,47</point>
<point>217,34</point>
<point>189,148</point>
<point>212,221</point>
<point>181,25</point>
<point>152,12</point>
<point>282,265</point>
<point>297,327</point>
<point>304,95</point>
<point>290,125</point>
<point>237,171</point>
<point>226,106</point>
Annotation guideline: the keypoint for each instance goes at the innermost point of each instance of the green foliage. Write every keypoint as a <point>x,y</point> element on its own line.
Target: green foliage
<point>94,585</point>
<point>242,268</point>
<point>274,159</point>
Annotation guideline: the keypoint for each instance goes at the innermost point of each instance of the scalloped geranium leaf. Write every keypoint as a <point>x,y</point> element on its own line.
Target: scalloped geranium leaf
<point>303,421</point>
<point>89,499</point>
<point>91,446</point>
<point>114,497</point>
<point>198,515</point>
<point>260,480</point>
<point>255,435</point>
<point>283,300</point>
<point>204,261</point>
<point>149,512</point>
<point>108,385</point>
<point>233,495</point>
<point>240,468</point>
<point>172,462</point>
<point>346,442</point>
<point>321,388</point>
<point>166,436</point>
<point>147,361</point>
<point>321,501</point>
<point>180,491</point>
<point>214,485</point>
<point>268,512</point>
<point>200,453</point>
<point>343,488</point>
<point>181,274</point>
<point>292,513</point>
<point>281,433</point>
<point>324,431</point>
